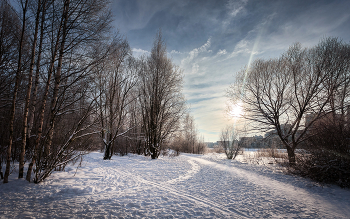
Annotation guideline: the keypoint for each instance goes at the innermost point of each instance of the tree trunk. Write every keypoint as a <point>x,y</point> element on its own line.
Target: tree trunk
<point>107,156</point>
<point>291,156</point>
<point>13,107</point>
<point>153,152</point>
<point>57,80</point>
<point>37,151</point>
<point>36,83</point>
<point>1,175</point>
<point>29,88</point>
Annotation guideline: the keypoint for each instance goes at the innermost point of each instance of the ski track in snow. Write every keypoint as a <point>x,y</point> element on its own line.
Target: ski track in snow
<point>299,195</point>
<point>198,200</point>
<point>194,169</point>
<point>188,186</point>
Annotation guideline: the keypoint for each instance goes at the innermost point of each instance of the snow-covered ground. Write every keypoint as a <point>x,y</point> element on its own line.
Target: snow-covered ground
<point>187,186</point>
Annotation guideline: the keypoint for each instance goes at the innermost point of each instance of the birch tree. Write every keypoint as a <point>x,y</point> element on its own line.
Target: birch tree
<point>14,98</point>
<point>28,92</point>
<point>78,27</point>
<point>10,32</point>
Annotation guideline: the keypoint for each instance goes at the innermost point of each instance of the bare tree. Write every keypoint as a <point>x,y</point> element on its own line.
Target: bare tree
<point>161,100</point>
<point>327,160</point>
<point>201,145</point>
<point>229,142</point>
<point>75,29</point>
<point>187,139</point>
<point>135,136</point>
<point>32,106</point>
<point>28,93</point>
<point>190,134</point>
<point>13,106</point>
<point>10,32</point>
<point>279,93</point>
<point>41,114</point>
<point>115,81</point>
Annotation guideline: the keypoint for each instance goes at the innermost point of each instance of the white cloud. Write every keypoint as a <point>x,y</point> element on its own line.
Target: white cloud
<point>137,52</point>
<point>242,46</point>
<point>194,53</point>
<point>195,68</point>
<point>221,52</point>
<point>175,52</point>
<point>235,6</point>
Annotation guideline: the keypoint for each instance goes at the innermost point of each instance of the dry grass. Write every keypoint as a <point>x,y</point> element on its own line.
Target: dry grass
<point>219,149</point>
<point>271,152</point>
<point>265,156</point>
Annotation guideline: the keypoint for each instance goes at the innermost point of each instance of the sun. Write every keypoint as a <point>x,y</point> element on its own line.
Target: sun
<point>236,110</point>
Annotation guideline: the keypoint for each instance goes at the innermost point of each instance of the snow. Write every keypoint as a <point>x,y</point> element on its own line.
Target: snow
<point>187,186</point>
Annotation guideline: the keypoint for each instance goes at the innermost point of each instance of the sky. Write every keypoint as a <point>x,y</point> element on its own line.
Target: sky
<point>212,40</point>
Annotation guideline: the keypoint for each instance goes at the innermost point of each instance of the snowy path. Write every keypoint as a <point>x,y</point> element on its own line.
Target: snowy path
<point>188,186</point>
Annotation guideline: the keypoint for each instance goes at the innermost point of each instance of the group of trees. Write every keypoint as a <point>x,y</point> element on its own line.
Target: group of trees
<point>186,139</point>
<point>68,85</point>
<point>304,96</point>
<point>47,53</point>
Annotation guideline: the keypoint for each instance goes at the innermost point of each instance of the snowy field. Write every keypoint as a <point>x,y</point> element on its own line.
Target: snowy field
<point>187,186</point>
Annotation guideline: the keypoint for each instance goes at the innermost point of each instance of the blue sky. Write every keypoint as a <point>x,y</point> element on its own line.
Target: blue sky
<point>211,40</point>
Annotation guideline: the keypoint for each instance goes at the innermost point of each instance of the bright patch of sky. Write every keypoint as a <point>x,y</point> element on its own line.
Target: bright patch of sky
<point>213,40</point>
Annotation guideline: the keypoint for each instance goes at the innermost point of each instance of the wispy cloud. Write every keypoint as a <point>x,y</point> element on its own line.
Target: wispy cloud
<point>235,7</point>
<point>194,53</point>
<point>221,52</point>
<point>242,46</point>
<point>175,52</point>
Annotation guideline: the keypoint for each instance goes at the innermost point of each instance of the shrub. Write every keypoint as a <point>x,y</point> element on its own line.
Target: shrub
<point>324,167</point>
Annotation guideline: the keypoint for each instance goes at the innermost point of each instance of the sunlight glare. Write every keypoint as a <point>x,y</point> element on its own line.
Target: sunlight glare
<point>236,110</point>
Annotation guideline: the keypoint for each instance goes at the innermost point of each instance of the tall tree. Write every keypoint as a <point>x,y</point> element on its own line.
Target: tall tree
<point>10,32</point>
<point>57,76</point>
<point>32,107</point>
<point>114,81</point>
<point>55,39</point>
<point>14,98</point>
<point>161,100</point>
<point>29,88</point>
<point>190,133</point>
